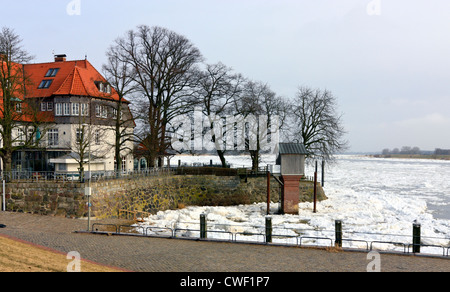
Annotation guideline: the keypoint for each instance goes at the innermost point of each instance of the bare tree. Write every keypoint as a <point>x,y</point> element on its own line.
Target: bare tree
<point>120,75</point>
<point>317,123</point>
<point>218,89</point>
<point>85,144</point>
<point>263,114</point>
<point>165,73</point>
<point>19,123</point>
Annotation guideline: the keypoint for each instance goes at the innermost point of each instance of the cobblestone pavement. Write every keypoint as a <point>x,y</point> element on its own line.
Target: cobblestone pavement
<point>145,254</point>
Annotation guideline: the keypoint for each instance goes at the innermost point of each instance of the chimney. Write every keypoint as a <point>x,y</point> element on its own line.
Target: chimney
<point>60,58</point>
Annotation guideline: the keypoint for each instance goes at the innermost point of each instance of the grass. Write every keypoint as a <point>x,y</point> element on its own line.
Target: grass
<point>18,256</point>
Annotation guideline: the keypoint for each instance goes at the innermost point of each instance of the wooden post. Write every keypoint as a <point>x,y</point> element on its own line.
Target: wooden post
<point>338,233</point>
<point>416,238</point>
<point>268,192</point>
<point>323,173</point>
<point>315,189</point>
<point>203,233</point>
<point>268,229</point>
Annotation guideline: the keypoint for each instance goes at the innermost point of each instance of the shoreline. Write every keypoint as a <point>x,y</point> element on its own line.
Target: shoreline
<point>411,156</point>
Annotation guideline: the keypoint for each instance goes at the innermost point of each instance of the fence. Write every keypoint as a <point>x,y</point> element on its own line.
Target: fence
<point>59,176</point>
<point>42,176</point>
<point>269,234</point>
<point>184,169</point>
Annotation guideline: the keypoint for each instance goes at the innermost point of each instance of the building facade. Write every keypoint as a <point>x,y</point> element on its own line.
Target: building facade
<point>81,111</point>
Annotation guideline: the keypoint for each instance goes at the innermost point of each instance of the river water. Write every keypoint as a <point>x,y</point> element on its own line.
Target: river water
<point>376,199</point>
<point>416,179</point>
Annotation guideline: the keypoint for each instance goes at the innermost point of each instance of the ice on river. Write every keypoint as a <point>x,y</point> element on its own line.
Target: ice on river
<point>376,200</point>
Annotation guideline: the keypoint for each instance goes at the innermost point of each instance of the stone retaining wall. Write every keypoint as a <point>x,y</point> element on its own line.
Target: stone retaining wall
<point>149,194</point>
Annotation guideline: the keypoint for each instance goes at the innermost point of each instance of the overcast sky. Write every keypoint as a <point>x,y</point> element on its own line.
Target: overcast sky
<point>387,61</point>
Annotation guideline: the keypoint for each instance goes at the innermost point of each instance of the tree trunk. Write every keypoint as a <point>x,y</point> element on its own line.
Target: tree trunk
<point>254,154</point>
<point>7,161</point>
<point>222,158</point>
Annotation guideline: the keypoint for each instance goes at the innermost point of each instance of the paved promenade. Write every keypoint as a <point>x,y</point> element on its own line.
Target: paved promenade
<point>144,254</point>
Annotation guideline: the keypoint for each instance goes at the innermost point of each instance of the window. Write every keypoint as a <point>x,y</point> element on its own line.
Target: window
<point>66,108</point>
<point>101,111</point>
<point>31,134</point>
<point>97,136</point>
<point>104,112</point>
<point>52,72</point>
<point>46,106</point>
<point>62,167</point>
<point>45,84</point>
<point>20,135</point>
<point>75,109</point>
<point>84,109</point>
<point>53,136</point>
<point>79,134</point>
<point>124,163</point>
<point>18,107</point>
<point>58,111</point>
<point>103,87</point>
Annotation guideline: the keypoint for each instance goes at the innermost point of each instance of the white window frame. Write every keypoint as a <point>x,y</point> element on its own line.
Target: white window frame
<point>20,135</point>
<point>104,112</point>
<point>66,109</point>
<point>58,109</point>
<point>84,109</point>
<point>53,137</point>
<point>124,163</point>
<point>75,109</point>
<point>79,133</point>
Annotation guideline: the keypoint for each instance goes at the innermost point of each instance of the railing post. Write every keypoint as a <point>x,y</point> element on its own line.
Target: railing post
<point>416,238</point>
<point>268,229</point>
<point>315,190</point>
<point>203,233</point>
<point>338,233</point>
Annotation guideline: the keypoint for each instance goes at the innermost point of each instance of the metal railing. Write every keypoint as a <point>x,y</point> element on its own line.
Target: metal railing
<point>284,236</point>
<point>75,177</point>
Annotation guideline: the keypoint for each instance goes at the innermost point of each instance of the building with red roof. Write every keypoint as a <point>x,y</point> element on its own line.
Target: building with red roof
<point>74,101</point>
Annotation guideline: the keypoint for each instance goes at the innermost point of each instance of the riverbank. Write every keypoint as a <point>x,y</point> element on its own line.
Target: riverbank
<point>412,156</point>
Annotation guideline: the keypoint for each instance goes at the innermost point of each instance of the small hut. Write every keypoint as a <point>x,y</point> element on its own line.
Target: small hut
<point>292,160</point>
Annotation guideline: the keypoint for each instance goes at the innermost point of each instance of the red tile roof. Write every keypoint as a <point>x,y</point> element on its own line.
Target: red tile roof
<point>73,78</point>
<point>76,78</point>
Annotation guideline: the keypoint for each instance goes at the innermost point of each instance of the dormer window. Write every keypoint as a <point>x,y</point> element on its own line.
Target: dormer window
<point>103,87</point>
<point>45,84</point>
<point>52,72</point>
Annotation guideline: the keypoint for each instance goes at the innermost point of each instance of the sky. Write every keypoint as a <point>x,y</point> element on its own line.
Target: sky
<point>386,61</point>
